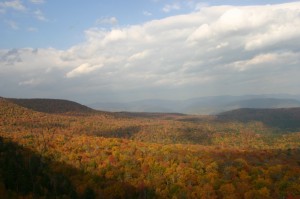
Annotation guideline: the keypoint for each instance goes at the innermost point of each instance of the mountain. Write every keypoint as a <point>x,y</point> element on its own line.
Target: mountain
<point>283,118</point>
<point>203,105</point>
<point>152,105</point>
<point>265,103</point>
<point>216,106</point>
<point>51,105</point>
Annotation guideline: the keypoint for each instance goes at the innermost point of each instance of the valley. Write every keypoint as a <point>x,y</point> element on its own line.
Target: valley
<point>61,149</point>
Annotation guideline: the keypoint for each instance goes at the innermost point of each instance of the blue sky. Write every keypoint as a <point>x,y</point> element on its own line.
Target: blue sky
<point>61,24</point>
<point>113,50</point>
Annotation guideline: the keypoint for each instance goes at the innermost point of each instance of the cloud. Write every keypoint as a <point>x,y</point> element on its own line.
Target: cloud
<point>216,50</point>
<point>259,60</point>
<point>15,5</point>
<point>37,1</point>
<point>82,69</point>
<point>169,7</point>
<point>10,57</point>
<point>138,56</point>
<point>39,15</point>
<point>107,20</point>
<point>196,5</point>
<point>32,29</point>
<point>199,6</point>
<point>30,82</point>
<point>146,13</point>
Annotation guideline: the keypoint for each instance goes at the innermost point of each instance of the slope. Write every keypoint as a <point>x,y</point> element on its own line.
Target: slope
<point>283,118</point>
<point>51,105</point>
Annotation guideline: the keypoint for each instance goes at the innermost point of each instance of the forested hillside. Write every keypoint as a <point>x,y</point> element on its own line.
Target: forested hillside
<point>51,105</point>
<point>126,155</point>
<point>286,119</point>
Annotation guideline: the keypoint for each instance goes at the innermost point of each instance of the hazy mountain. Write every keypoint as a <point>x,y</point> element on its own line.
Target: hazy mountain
<point>160,106</point>
<point>265,103</point>
<point>204,105</point>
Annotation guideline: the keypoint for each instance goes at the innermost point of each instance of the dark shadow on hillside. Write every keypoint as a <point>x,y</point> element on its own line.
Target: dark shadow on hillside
<point>285,119</point>
<point>24,172</point>
<point>196,119</point>
<point>52,105</point>
<point>121,132</point>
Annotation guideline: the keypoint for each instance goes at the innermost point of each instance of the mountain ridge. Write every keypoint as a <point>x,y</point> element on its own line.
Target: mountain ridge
<point>203,105</point>
<point>282,118</point>
<point>51,105</point>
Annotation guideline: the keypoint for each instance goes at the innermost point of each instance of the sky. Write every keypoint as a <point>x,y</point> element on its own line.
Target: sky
<point>116,51</point>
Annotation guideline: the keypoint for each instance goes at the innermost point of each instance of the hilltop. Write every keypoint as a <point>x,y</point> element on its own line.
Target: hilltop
<point>51,105</point>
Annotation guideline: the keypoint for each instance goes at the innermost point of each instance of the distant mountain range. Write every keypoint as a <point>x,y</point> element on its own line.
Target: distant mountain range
<point>203,105</point>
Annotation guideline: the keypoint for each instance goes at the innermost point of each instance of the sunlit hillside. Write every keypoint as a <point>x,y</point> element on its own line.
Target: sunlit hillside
<point>93,154</point>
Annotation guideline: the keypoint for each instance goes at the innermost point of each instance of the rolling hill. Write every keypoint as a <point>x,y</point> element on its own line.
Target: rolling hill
<point>283,118</point>
<point>264,103</point>
<point>51,105</point>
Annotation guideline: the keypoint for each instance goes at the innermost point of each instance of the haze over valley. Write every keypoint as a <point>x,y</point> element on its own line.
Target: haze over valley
<point>204,105</point>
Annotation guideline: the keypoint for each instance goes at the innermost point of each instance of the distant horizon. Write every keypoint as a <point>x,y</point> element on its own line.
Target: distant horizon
<point>266,95</point>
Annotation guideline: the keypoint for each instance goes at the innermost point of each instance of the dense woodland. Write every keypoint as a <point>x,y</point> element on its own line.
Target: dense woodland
<point>81,153</point>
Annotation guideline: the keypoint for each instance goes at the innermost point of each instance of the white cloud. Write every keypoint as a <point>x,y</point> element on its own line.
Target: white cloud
<point>199,6</point>
<point>82,69</point>
<point>138,56</point>
<point>39,15</point>
<point>87,68</point>
<point>32,29</point>
<point>107,20</point>
<point>222,45</point>
<point>202,33</point>
<point>171,7</point>
<point>15,4</point>
<point>214,51</point>
<point>146,13</point>
<point>37,1</point>
<point>115,35</point>
<point>196,5</point>
<point>281,33</point>
<point>263,60</point>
